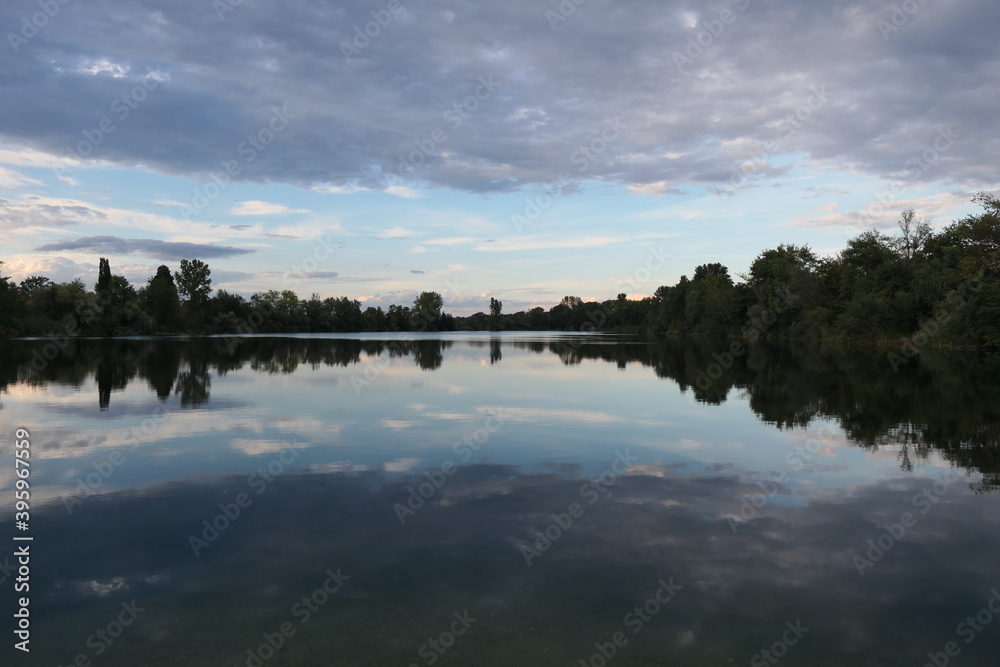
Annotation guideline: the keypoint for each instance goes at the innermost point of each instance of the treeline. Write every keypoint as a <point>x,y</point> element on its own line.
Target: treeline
<point>926,286</point>
<point>182,302</point>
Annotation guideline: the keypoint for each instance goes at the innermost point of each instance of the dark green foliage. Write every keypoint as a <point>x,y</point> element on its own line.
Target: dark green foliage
<point>375,319</point>
<point>496,307</point>
<point>103,276</point>
<point>162,301</point>
<point>30,285</point>
<point>12,307</point>
<point>426,312</point>
<point>194,281</point>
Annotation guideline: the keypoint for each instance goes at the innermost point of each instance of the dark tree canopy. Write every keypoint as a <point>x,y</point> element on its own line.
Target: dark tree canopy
<point>30,285</point>
<point>194,281</point>
<point>103,276</point>
<point>705,271</point>
<point>161,299</point>
<point>11,305</point>
<point>427,308</point>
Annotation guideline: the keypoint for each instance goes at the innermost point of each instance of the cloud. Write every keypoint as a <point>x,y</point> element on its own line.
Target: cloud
<point>417,272</point>
<point>264,208</point>
<point>396,425</point>
<point>451,240</point>
<point>12,179</point>
<point>103,66</point>
<point>321,274</point>
<point>656,189</point>
<point>884,215</point>
<point>397,233</point>
<point>214,93</point>
<point>170,250</point>
<point>538,243</point>
<point>821,192</point>
<point>684,126</point>
<point>339,189</point>
<point>223,276</point>
<point>62,270</point>
<point>32,212</point>
<point>332,276</point>
<point>403,191</point>
<point>56,269</point>
<point>28,157</point>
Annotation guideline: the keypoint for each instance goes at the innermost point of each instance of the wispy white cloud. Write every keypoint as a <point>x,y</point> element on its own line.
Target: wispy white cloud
<point>29,157</point>
<point>404,191</point>
<point>884,215</point>
<point>12,179</point>
<point>103,66</point>
<point>264,208</point>
<point>539,243</point>
<point>656,189</point>
<point>397,233</point>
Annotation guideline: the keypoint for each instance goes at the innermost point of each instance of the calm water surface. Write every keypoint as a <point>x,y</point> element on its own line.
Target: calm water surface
<point>514,499</point>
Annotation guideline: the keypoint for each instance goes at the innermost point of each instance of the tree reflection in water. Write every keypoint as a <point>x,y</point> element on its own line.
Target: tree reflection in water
<point>944,402</point>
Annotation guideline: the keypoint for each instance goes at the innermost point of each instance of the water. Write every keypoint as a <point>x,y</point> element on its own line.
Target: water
<point>381,502</point>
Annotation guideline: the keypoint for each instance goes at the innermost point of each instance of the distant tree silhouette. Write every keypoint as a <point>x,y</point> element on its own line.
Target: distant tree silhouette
<point>161,299</point>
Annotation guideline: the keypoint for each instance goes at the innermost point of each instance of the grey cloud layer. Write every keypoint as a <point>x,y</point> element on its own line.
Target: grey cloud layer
<point>30,213</point>
<point>169,250</point>
<point>221,80</point>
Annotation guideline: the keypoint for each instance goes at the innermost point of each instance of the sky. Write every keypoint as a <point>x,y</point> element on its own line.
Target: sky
<point>521,150</point>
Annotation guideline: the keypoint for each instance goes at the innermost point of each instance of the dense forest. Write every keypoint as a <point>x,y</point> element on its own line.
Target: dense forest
<point>926,286</point>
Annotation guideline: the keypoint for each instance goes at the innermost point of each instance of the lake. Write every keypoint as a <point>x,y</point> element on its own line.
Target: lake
<point>505,499</point>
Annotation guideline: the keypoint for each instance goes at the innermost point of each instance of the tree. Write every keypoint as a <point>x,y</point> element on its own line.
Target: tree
<point>226,311</point>
<point>710,306</point>
<point>67,307</point>
<point>193,281</point>
<point>571,302</point>
<point>705,270</point>
<point>161,300</point>
<point>30,286</point>
<point>120,291</point>
<point>346,313</point>
<point>868,252</point>
<point>318,316</point>
<point>913,234</point>
<point>280,312</point>
<point>397,318</point>
<point>11,306</point>
<point>784,281</point>
<point>375,319</point>
<point>121,314</point>
<point>103,276</point>
<point>427,310</point>
<point>538,318</point>
<point>496,306</point>
<point>977,236</point>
